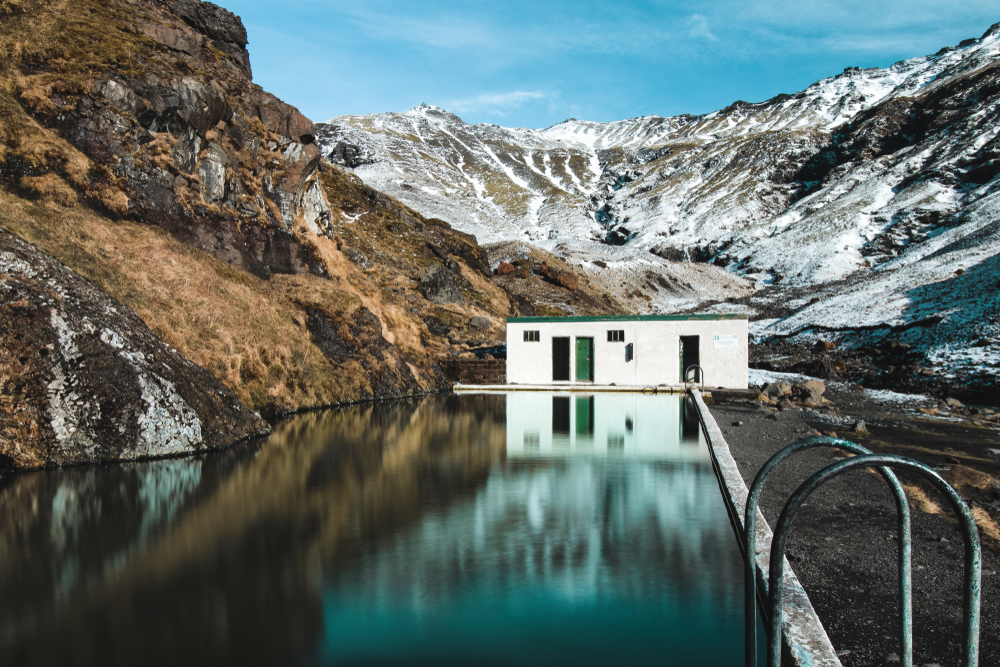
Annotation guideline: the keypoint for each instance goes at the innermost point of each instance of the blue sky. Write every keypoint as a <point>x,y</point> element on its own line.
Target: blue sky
<point>536,63</point>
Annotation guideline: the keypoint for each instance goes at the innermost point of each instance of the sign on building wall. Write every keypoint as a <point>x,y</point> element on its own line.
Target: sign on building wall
<point>725,342</point>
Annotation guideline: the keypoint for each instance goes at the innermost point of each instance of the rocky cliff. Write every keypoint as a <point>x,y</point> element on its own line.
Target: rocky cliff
<point>147,109</point>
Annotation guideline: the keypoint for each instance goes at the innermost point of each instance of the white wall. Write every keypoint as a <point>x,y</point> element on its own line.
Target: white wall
<point>656,345</point>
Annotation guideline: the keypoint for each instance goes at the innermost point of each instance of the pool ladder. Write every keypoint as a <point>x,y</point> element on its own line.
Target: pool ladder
<point>701,375</point>
<point>883,464</point>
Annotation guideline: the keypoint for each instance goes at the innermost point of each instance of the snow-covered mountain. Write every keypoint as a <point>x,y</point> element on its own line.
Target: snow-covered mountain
<point>873,190</point>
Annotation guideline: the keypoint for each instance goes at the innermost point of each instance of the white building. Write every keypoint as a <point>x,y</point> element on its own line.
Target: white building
<point>641,350</point>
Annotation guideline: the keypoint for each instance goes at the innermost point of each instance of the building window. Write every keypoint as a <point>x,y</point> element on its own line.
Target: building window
<point>531,337</point>
<point>616,336</point>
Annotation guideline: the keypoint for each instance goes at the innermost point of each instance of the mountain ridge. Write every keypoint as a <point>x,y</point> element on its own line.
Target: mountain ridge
<point>880,181</point>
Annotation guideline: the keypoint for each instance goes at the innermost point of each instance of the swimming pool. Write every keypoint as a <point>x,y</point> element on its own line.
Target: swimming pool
<point>524,528</point>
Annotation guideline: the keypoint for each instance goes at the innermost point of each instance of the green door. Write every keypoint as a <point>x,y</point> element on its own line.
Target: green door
<point>584,359</point>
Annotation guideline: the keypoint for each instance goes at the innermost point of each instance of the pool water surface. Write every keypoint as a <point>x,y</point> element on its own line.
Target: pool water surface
<point>517,529</point>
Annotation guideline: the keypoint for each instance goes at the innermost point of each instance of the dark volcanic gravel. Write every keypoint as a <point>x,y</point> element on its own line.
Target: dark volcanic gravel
<point>843,546</point>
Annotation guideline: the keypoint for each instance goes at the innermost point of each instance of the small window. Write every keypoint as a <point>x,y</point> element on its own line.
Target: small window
<point>531,337</point>
<point>616,336</point>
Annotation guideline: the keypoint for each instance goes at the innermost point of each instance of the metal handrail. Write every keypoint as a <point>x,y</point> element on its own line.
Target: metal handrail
<point>701,374</point>
<point>750,543</point>
<point>973,555</point>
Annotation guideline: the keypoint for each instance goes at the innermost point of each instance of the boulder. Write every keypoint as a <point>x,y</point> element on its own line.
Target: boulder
<point>954,403</point>
<point>619,236</point>
<point>439,285</point>
<point>357,257</point>
<point>810,392</point>
<point>567,281</point>
<point>669,252</point>
<point>437,326</point>
<point>522,306</point>
<point>775,390</point>
<point>824,346</point>
<point>481,323</point>
<point>560,278</point>
<point>83,379</point>
<point>505,269</point>
<point>346,154</point>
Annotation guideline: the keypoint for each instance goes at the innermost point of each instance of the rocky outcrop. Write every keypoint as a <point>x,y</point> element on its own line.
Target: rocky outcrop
<point>182,138</point>
<point>83,379</point>
<point>562,279</point>
<point>440,285</point>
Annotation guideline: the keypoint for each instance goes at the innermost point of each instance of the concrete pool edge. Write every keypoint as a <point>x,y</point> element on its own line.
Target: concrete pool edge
<point>583,387</point>
<point>804,637</point>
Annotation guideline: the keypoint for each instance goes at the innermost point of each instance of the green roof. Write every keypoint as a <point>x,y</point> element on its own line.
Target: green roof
<point>630,318</point>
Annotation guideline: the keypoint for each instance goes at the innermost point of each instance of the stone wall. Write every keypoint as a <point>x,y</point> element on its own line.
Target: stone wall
<point>482,371</point>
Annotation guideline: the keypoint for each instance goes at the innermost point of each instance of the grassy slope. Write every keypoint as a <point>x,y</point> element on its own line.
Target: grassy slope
<point>248,332</point>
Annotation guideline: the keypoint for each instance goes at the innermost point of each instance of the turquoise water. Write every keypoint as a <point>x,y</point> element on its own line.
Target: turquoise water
<point>526,529</point>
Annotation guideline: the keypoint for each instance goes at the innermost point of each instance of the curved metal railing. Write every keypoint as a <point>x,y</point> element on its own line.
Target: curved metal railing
<point>701,374</point>
<point>750,542</point>
<point>882,462</point>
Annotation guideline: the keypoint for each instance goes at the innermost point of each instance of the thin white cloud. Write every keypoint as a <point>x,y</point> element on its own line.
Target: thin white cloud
<point>497,104</point>
<point>449,32</point>
<point>698,28</point>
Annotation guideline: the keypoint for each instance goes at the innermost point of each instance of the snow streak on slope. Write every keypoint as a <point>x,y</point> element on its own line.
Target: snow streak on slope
<point>694,178</point>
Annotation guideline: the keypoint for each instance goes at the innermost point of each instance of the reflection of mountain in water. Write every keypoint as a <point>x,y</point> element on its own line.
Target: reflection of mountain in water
<point>583,528</point>
<point>217,559</point>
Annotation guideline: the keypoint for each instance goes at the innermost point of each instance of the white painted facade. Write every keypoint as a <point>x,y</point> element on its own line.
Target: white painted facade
<point>721,341</point>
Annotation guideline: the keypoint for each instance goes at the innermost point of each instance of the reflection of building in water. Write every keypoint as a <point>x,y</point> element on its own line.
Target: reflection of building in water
<point>625,424</point>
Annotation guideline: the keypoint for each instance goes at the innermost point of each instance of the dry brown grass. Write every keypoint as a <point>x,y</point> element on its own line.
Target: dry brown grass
<point>249,333</point>
<point>987,526</point>
<point>920,501</point>
<point>967,481</point>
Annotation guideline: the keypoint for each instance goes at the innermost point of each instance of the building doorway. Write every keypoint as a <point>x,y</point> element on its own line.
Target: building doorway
<point>560,359</point>
<point>584,359</point>
<point>690,356</point>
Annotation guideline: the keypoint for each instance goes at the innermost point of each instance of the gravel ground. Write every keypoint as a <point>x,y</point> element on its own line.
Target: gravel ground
<point>844,544</point>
